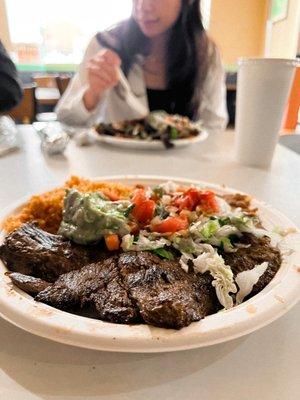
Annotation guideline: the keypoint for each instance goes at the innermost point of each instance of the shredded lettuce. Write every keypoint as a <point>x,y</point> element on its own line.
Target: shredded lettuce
<point>235,223</point>
<point>223,277</point>
<point>184,261</point>
<point>210,228</point>
<point>224,207</point>
<point>215,233</point>
<point>142,243</point>
<point>127,242</point>
<point>227,245</point>
<point>246,224</point>
<point>247,279</point>
<point>204,258</point>
<point>164,253</point>
<point>184,245</point>
<point>226,231</point>
<point>190,246</point>
<point>169,187</point>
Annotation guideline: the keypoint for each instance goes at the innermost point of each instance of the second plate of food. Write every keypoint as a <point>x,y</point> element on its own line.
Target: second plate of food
<point>157,131</point>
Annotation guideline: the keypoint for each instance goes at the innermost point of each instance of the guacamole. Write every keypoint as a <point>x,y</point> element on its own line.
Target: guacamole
<point>88,217</point>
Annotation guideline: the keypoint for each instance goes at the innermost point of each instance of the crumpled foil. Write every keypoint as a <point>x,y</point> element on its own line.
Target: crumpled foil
<point>54,139</point>
<point>8,136</point>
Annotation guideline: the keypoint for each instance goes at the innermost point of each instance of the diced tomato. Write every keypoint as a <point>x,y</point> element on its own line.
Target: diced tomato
<point>112,242</point>
<point>193,198</point>
<point>171,225</point>
<point>139,196</point>
<point>144,208</point>
<point>188,200</point>
<point>144,211</point>
<point>208,202</point>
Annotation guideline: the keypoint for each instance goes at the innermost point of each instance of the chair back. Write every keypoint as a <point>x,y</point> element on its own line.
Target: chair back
<point>62,83</point>
<point>45,81</point>
<point>25,111</point>
<point>47,93</point>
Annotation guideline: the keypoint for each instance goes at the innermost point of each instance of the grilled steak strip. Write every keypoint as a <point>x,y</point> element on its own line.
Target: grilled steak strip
<point>97,285</point>
<point>247,258</point>
<point>28,283</point>
<point>32,251</point>
<point>166,295</point>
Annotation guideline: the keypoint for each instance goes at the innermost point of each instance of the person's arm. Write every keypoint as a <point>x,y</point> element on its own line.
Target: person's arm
<point>10,89</point>
<point>70,108</point>
<point>213,109</point>
<point>98,72</point>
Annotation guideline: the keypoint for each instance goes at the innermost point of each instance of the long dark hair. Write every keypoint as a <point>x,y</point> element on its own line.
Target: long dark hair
<point>187,53</point>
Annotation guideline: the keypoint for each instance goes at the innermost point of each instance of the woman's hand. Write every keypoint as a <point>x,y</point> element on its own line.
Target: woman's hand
<point>102,74</point>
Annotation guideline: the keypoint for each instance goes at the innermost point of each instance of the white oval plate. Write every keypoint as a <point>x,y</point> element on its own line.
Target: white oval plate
<point>276,299</point>
<point>145,144</point>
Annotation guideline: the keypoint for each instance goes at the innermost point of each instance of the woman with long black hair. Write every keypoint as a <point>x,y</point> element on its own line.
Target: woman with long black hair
<point>159,59</point>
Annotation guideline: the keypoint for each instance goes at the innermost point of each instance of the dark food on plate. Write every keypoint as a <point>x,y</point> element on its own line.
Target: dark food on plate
<point>158,125</point>
<point>28,283</point>
<point>258,252</point>
<point>31,251</point>
<point>165,256</point>
<point>129,288</point>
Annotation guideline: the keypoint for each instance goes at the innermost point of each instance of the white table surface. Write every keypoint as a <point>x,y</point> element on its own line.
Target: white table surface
<point>263,365</point>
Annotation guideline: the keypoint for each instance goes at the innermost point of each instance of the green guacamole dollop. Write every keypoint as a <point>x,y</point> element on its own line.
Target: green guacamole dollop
<point>88,217</point>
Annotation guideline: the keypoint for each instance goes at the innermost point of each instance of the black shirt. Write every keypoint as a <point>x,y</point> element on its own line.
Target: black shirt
<point>168,100</point>
<point>10,90</point>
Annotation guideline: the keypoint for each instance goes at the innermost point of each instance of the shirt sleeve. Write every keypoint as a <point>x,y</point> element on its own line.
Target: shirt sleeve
<point>70,108</point>
<point>10,87</point>
<point>213,109</point>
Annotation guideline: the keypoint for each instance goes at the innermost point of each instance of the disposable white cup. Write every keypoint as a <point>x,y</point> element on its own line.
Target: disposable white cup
<point>263,87</point>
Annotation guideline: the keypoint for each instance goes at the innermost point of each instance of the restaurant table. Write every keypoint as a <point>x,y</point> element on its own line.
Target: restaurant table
<point>262,365</point>
<point>291,141</point>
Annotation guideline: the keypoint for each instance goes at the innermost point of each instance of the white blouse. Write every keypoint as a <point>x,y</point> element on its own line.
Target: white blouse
<point>113,108</point>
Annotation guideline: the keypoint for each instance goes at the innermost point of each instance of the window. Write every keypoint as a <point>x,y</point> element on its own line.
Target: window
<point>57,31</point>
<point>47,32</point>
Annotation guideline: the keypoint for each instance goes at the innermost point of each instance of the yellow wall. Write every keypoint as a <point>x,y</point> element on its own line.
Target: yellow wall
<point>4,32</point>
<point>285,33</point>
<point>238,27</point>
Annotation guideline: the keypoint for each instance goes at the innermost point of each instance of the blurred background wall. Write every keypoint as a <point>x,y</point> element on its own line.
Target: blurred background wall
<point>238,27</point>
<point>4,29</point>
<point>285,33</point>
<point>244,28</point>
